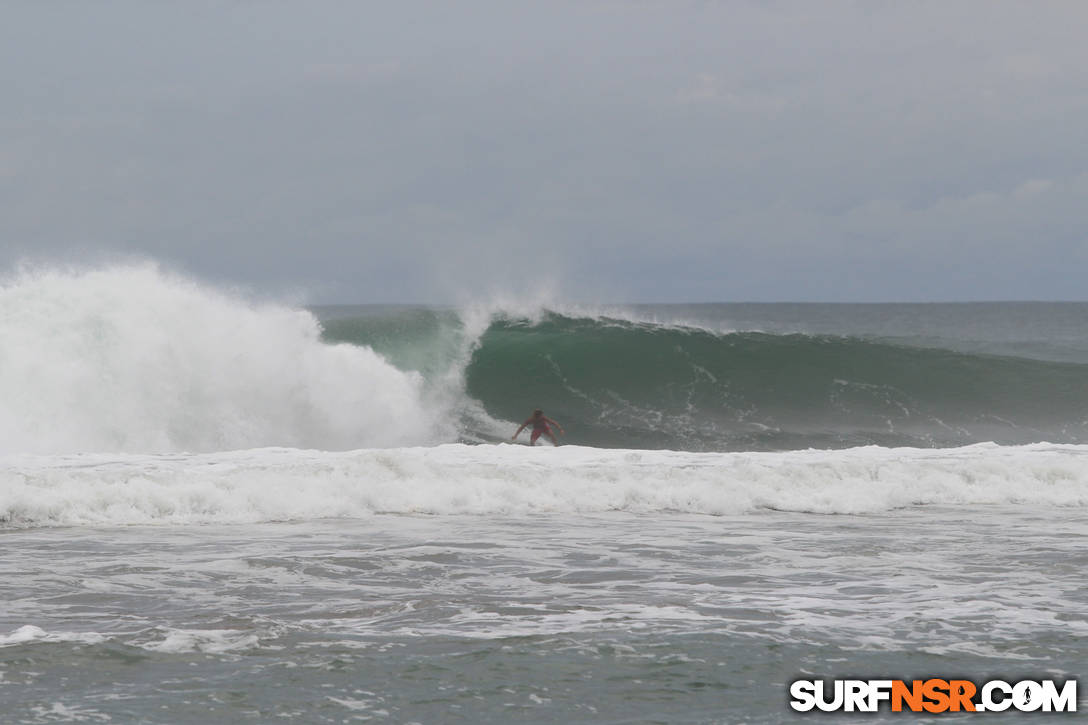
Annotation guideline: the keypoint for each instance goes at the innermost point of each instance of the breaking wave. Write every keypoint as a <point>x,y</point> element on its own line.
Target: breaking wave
<point>134,359</point>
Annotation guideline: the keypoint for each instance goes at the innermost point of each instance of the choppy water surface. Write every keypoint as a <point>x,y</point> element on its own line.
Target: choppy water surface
<point>604,618</point>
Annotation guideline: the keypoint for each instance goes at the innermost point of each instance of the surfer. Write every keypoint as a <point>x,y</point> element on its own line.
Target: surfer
<point>540,423</point>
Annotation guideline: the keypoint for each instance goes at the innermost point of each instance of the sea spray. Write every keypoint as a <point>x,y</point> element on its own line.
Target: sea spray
<point>131,358</point>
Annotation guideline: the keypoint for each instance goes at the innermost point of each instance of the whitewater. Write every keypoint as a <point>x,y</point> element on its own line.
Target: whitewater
<point>217,508</point>
<point>295,485</point>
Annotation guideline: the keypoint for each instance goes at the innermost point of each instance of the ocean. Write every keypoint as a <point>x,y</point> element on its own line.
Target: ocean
<point>220,509</point>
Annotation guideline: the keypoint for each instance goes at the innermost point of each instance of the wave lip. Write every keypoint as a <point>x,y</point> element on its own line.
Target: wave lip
<point>287,484</point>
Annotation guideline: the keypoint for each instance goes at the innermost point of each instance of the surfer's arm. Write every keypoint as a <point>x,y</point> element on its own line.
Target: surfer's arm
<point>561,431</point>
<point>520,429</point>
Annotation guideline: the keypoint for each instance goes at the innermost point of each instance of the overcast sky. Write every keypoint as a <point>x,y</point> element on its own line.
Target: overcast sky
<point>609,151</point>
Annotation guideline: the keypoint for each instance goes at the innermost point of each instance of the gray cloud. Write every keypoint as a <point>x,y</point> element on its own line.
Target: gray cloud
<point>615,150</point>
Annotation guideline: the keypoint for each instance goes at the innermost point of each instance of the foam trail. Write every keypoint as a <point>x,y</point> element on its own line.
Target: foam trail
<point>130,358</point>
<point>286,484</point>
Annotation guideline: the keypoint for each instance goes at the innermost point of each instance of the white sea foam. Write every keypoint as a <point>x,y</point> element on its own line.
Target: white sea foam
<point>129,358</point>
<point>30,633</point>
<point>287,484</point>
<point>209,641</point>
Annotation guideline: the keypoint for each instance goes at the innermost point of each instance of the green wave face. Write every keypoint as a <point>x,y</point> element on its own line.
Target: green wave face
<point>412,338</point>
<point>615,383</point>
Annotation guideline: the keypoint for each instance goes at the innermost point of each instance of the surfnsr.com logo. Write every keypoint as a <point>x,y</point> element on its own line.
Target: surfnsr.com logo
<point>933,695</point>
